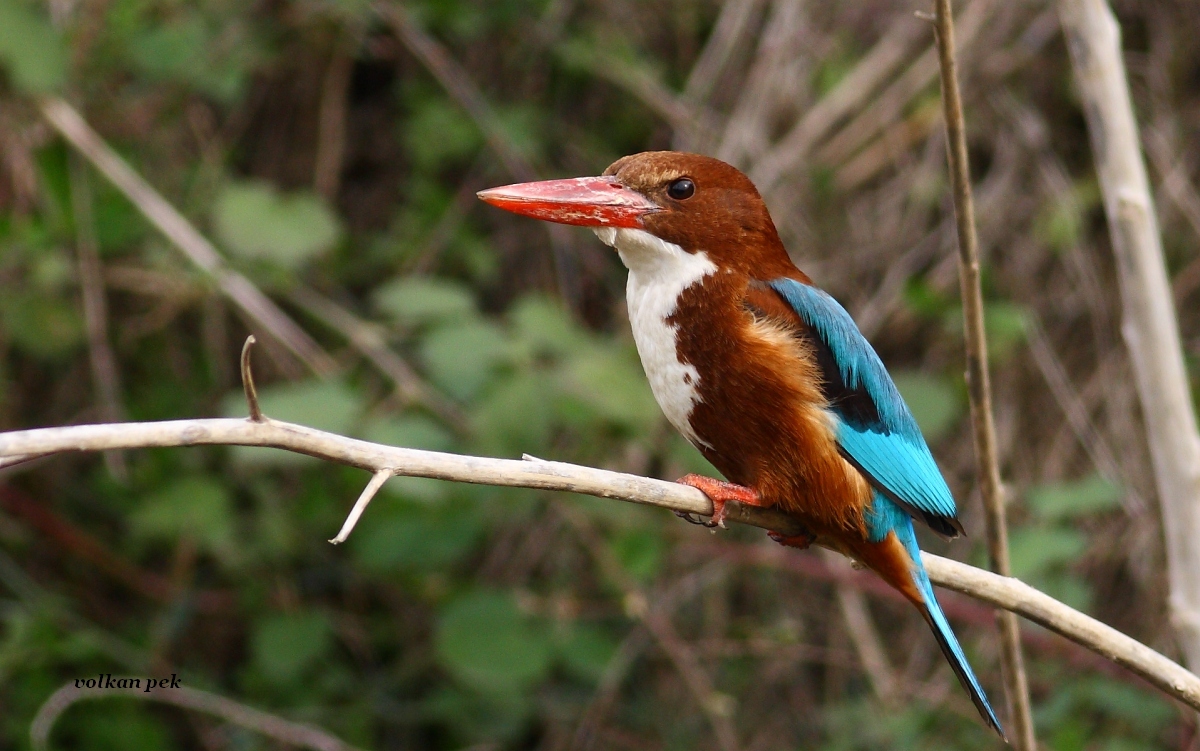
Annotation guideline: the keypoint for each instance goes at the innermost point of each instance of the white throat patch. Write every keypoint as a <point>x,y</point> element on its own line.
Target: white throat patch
<point>659,272</point>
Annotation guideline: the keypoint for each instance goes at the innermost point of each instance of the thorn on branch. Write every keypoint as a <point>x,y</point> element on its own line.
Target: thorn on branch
<point>256,414</point>
<point>925,15</point>
<point>381,476</point>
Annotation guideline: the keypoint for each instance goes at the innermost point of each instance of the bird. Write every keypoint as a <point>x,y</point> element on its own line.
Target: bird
<point>763,372</point>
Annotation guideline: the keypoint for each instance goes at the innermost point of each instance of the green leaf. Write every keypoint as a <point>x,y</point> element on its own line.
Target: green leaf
<point>612,382</point>
<point>415,300</point>
<point>546,327</point>
<point>1147,713</point>
<point>119,726</point>
<point>515,416</point>
<point>928,302</point>
<point>1060,223</point>
<point>1005,324</point>
<point>640,552</point>
<point>461,359</point>
<point>31,49</point>
<point>41,324</point>
<point>195,507</point>
<point>439,133</point>
<point>413,538</point>
<point>324,405</point>
<point>479,718</point>
<point>409,431</point>
<point>189,46</point>
<point>1035,550</point>
<point>934,401</point>
<point>587,651</point>
<point>485,642</point>
<point>258,223</point>
<point>284,646</point>
<point>1068,500</point>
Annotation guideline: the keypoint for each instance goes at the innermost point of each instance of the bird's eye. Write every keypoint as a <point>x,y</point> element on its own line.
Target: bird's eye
<point>681,189</point>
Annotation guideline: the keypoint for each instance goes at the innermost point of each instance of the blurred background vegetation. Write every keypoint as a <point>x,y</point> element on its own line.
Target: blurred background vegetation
<point>331,150</point>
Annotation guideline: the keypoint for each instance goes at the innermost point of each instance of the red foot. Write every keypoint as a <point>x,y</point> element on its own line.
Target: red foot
<point>794,541</point>
<point>719,491</point>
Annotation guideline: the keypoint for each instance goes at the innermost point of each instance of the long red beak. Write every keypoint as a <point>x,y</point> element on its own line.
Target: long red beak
<point>583,201</point>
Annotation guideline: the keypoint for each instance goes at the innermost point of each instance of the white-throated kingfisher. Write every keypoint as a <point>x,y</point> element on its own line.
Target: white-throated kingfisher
<point>760,370</point>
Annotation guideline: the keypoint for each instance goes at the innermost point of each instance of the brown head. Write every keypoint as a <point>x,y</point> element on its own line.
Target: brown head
<point>696,202</point>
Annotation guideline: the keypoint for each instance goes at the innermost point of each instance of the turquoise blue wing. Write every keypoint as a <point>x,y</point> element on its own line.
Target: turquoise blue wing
<point>876,432</point>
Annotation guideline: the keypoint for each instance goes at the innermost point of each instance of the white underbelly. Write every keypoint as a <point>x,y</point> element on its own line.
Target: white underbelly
<point>675,383</point>
<point>659,272</point>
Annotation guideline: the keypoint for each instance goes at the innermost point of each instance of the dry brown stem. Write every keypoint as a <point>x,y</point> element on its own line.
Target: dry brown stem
<point>978,382</point>
<point>272,726</point>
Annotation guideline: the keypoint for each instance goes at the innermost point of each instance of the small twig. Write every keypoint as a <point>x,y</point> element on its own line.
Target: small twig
<point>273,726</point>
<point>256,414</point>
<point>377,480</point>
<point>865,636</point>
<point>331,120</point>
<point>979,387</point>
<point>12,461</point>
<point>717,707</point>
<point>1076,412</point>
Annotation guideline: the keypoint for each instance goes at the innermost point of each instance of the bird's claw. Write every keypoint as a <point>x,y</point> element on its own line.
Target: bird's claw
<point>719,491</point>
<point>691,518</point>
<point>800,541</point>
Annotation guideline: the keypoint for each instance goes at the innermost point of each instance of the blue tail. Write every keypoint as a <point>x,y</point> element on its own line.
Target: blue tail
<point>880,519</point>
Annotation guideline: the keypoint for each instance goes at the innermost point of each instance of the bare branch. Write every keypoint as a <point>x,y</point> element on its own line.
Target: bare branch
<point>979,386</point>
<point>1150,328</point>
<point>273,726</point>
<point>1000,591</point>
<point>377,480</point>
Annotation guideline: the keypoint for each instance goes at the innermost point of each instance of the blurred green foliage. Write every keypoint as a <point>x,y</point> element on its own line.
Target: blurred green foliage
<point>33,53</point>
<point>455,615</point>
<point>255,222</point>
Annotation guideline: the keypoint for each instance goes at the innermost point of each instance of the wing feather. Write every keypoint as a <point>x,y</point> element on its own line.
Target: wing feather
<point>876,430</point>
